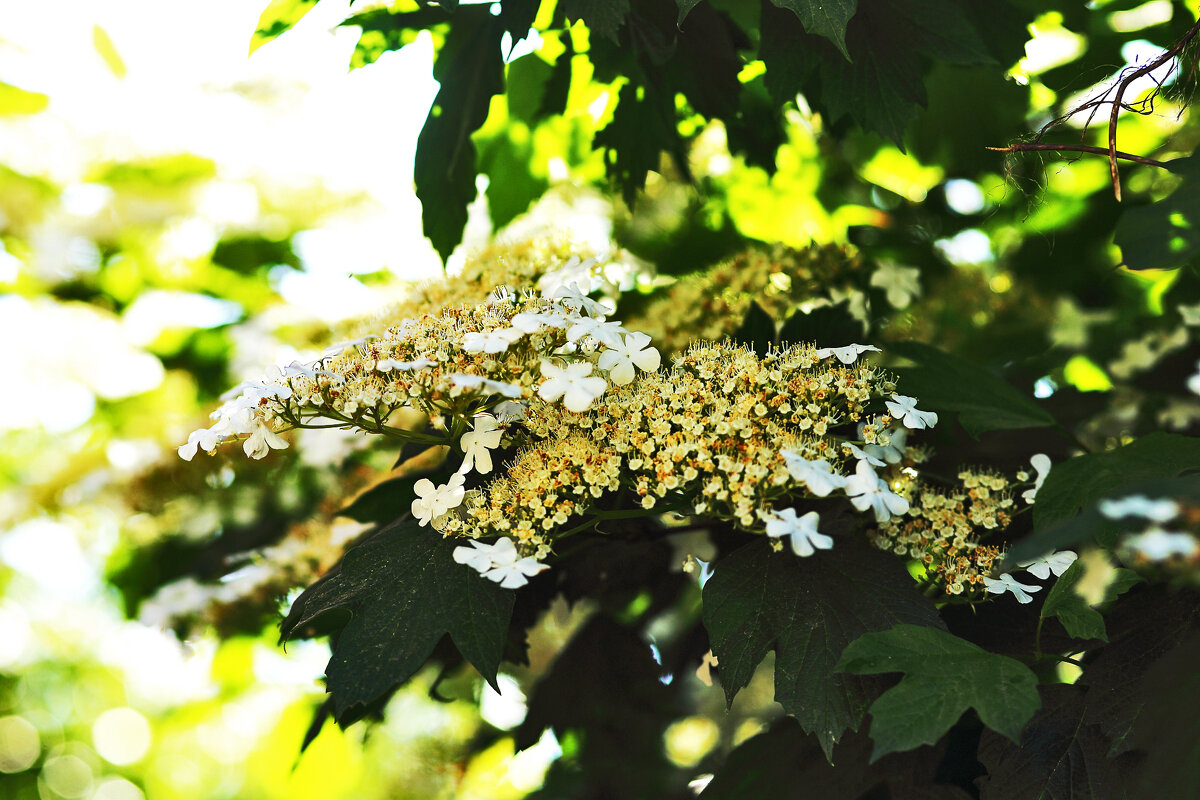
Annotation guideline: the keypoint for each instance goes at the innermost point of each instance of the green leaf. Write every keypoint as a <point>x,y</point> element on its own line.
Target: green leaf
<point>943,677</point>
<point>516,17</point>
<point>602,17</point>
<point>512,186</point>
<point>277,19</point>
<point>470,70</point>
<point>685,8</point>
<point>388,603</point>
<point>382,503</point>
<point>642,127</point>
<point>807,610</point>
<point>1079,619</point>
<point>784,762</point>
<point>757,330</point>
<point>826,18</point>
<point>827,326</point>
<point>1084,480</point>
<point>980,399</point>
<point>1169,726</point>
<point>1059,755</point>
<point>1166,233</point>
<point>606,685</point>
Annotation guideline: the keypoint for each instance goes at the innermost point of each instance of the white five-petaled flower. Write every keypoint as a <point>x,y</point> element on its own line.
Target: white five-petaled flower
<point>1057,563</point>
<point>434,501</point>
<point>262,440</point>
<point>607,333</point>
<point>388,364</point>
<point>336,349</point>
<point>499,562</point>
<point>1041,464</point>
<point>1157,544</point>
<point>620,360</point>
<point>893,451</point>
<point>867,490</point>
<point>1138,505</point>
<point>904,408</point>
<point>205,439</point>
<point>532,322</point>
<point>572,297</point>
<point>817,475</point>
<point>572,384</point>
<point>496,341</point>
<point>806,540</point>
<point>863,455</point>
<point>901,283</point>
<point>478,442</point>
<point>1007,583</point>
<point>848,354</point>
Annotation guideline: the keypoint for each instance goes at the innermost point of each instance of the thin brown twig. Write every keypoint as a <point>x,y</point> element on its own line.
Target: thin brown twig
<point>1076,148</point>
<point>1116,102</point>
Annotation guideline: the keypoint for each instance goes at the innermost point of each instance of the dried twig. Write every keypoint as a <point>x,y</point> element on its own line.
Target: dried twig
<point>1116,103</point>
<point>1075,148</point>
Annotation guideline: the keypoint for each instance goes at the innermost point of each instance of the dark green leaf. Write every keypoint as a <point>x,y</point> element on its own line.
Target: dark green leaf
<point>606,685</point>
<point>980,399</point>
<point>705,63</point>
<point>388,603</point>
<point>827,326</point>
<point>382,503</point>
<point>943,677</point>
<point>785,50</point>
<point>642,127</point>
<point>516,17</point>
<point>512,186</point>
<point>1078,618</point>
<point>807,610</point>
<point>527,79</point>
<point>1142,626</point>
<point>784,762</point>
<point>602,17</point>
<point>1058,756</point>
<point>1166,233</point>
<point>826,18</point>
<point>470,70</point>
<point>1169,726</point>
<point>757,330</point>
<point>1084,480</point>
<point>685,8</point>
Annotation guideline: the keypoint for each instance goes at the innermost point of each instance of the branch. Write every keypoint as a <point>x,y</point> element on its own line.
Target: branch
<point>1075,148</point>
<point>1116,103</point>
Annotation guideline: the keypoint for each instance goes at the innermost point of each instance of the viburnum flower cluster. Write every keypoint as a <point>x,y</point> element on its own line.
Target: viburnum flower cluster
<point>723,434</point>
<point>451,365</point>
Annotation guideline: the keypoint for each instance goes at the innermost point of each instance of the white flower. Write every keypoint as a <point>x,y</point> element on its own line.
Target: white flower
<point>867,490</point>
<point>901,283</point>
<point>508,570</point>
<point>1040,463</point>
<point>460,382</point>
<point>476,444</point>
<point>893,451</point>
<point>1157,544</point>
<point>1057,563</point>
<point>532,322</point>
<point>432,502</point>
<point>1193,383</point>
<point>817,475</point>
<point>803,531</point>
<point>572,384</point>
<point>1007,583</point>
<point>336,349</point>
<point>387,364</point>
<point>607,333</point>
<point>1138,505</point>
<point>478,556</point>
<point>1190,314</point>
<point>620,360</point>
<point>496,341</point>
<point>848,354</point>
<point>262,440</point>
<point>863,455</point>
<point>904,408</point>
<point>509,411</point>
<point>572,297</point>
<point>205,439</point>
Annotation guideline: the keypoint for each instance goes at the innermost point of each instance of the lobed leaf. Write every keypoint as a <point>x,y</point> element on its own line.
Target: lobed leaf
<point>943,677</point>
<point>807,610</point>
<point>388,603</point>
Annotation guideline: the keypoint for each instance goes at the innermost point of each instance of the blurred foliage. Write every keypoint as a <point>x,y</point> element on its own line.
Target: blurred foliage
<point>734,147</point>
